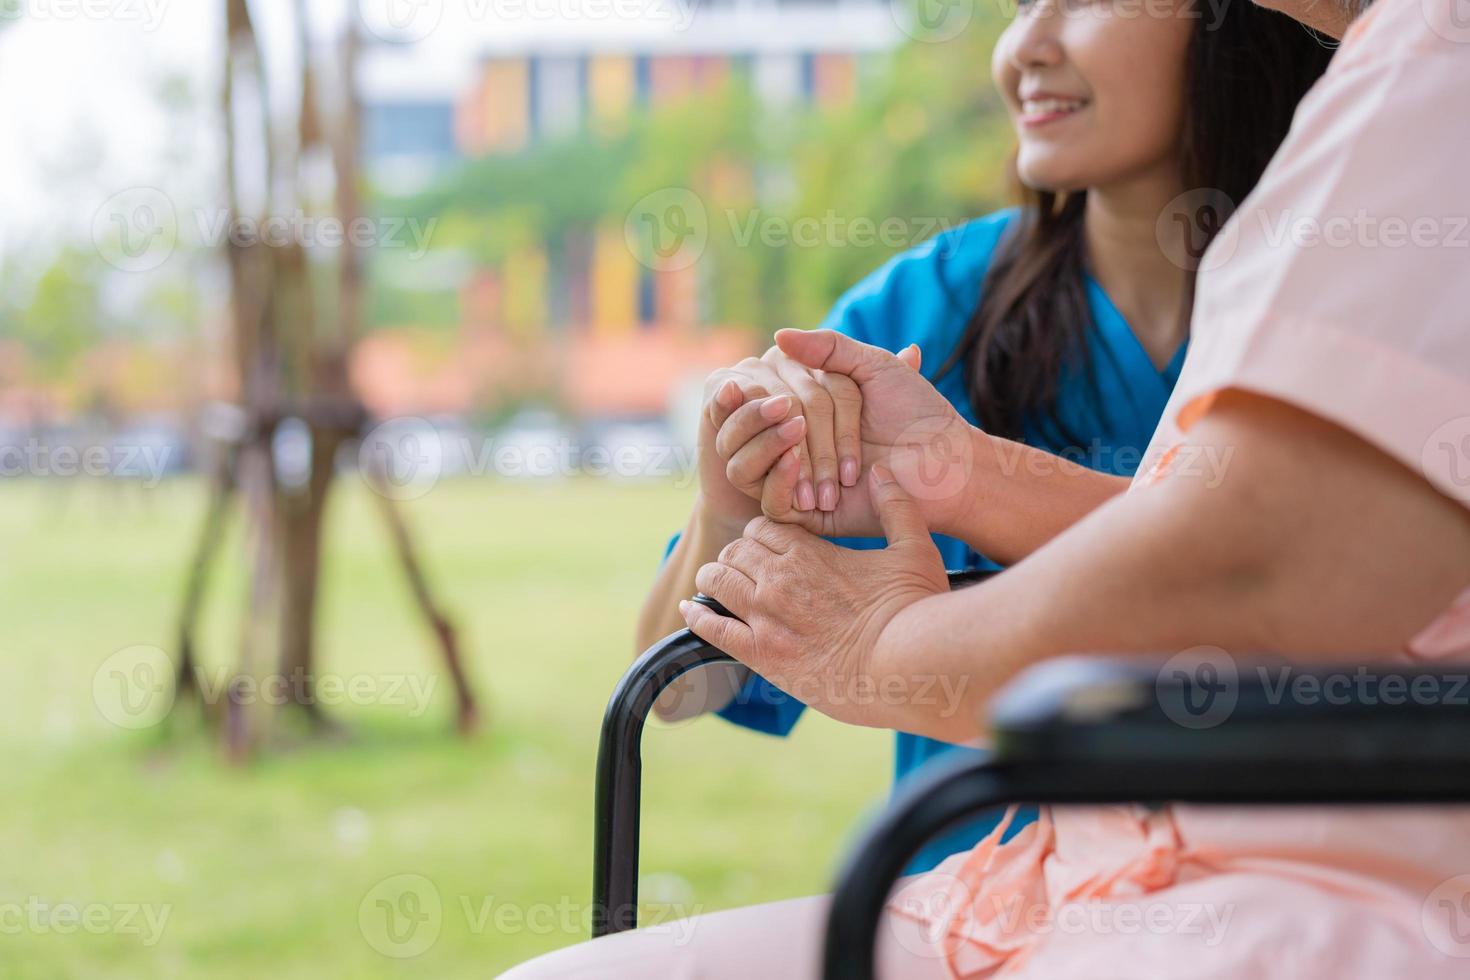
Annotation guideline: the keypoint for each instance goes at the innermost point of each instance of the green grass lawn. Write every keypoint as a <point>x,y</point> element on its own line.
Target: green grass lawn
<point>263,870</point>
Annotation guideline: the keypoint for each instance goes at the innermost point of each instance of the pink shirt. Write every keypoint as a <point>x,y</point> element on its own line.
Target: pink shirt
<point>1342,286</point>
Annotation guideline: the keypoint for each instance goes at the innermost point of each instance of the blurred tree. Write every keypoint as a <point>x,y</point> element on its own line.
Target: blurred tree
<point>64,315</point>
<point>294,322</point>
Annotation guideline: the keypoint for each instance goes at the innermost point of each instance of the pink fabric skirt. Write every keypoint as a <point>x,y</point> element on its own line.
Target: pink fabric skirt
<point>1201,892</point>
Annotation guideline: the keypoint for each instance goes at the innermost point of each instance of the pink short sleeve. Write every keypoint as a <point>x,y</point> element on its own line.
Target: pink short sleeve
<point>1342,285</point>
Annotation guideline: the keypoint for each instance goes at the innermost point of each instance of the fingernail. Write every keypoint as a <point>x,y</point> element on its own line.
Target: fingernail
<point>881,474</point>
<point>792,428</point>
<point>848,471</point>
<point>806,497</point>
<point>684,605</point>
<point>775,408</point>
<point>728,394</point>
<point>827,495</point>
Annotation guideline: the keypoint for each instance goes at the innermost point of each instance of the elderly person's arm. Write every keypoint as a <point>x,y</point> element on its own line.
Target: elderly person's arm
<point>1310,542</point>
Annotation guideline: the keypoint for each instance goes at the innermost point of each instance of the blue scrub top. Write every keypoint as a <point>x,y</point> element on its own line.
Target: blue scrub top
<point>926,296</point>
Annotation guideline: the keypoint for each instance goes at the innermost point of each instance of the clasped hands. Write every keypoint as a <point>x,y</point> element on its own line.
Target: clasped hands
<point>826,436</point>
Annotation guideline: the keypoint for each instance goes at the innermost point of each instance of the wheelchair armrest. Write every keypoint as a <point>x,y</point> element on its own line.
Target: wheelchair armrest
<point>620,764</point>
<point>1214,708</point>
<point>1213,730</point>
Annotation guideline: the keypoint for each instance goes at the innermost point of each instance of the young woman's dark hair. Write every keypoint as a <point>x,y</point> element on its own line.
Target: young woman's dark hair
<point>1247,68</point>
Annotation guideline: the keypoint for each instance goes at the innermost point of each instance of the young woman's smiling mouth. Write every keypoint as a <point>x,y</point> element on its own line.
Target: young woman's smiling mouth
<point>1044,108</point>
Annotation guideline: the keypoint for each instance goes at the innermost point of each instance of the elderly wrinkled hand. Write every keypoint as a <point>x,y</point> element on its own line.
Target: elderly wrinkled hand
<point>810,612</point>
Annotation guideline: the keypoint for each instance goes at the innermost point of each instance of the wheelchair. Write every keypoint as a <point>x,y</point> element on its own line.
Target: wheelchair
<point>1088,730</point>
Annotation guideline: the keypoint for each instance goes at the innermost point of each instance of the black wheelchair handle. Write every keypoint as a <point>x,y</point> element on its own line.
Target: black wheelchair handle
<point>620,770</point>
<point>620,763</point>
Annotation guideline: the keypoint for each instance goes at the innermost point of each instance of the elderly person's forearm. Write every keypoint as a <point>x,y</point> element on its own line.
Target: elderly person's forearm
<point>1017,498</point>
<point>1309,543</point>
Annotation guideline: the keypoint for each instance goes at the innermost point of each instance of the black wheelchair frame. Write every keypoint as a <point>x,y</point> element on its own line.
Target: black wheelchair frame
<point>620,764</point>
<point>1090,730</point>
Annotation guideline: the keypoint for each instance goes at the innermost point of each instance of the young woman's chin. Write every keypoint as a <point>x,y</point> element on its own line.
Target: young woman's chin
<point>1051,173</point>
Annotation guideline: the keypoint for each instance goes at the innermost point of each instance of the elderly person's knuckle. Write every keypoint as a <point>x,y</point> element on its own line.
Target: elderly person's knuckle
<point>843,391</point>
<point>781,579</point>
<point>737,551</point>
<point>817,401</point>
<point>775,535</point>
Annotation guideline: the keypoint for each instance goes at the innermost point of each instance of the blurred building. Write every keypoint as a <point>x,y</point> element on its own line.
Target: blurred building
<point>518,78</point>
<point>479,88</point>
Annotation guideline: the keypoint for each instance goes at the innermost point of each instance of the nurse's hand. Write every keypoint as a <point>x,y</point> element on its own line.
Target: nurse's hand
<point>905,424</point>
<point>829,450</point>
<point>810,612</point>
<point>725,506</point>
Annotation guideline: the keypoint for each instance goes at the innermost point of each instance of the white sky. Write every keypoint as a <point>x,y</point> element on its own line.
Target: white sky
<point>79,117</point>
<point>79,120</point>
<point>75,111</point>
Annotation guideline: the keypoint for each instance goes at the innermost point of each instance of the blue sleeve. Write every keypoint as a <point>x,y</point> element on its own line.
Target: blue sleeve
<point>763,707</point>
<point>924,295</point>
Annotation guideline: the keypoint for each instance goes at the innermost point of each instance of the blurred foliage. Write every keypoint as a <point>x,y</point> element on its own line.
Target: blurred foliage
<point>63,314</point>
